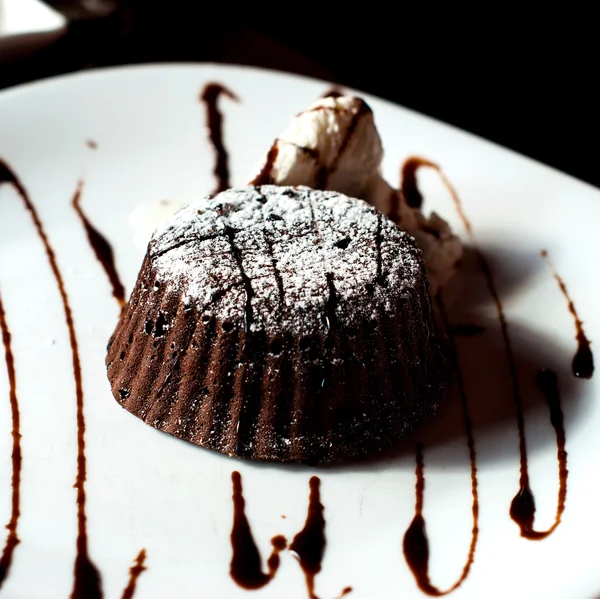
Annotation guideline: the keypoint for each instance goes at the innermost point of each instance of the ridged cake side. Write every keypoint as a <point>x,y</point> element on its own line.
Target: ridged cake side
<point>314,400</point>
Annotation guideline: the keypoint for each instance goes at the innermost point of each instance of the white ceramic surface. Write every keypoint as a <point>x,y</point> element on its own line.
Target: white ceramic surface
<point>146,489</point>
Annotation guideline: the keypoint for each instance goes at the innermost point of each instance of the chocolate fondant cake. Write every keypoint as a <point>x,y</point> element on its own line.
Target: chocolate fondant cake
<point>280,323</point>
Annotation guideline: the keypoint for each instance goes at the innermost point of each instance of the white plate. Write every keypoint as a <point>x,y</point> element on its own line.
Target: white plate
<point>148,490</point>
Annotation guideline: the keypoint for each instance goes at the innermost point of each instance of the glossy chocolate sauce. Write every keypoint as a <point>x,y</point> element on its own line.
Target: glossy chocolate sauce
<point>246,566</point>
<point>522,509</point>
<point>308,545</point>
<point>214,124</point>
<point>410,189</point>
<point>12,539</point>
<point>102,248</point>
<point>134,573</point>
<point>523,505</point>
<point>87,583</point>
<point>265,177</point>
<point>583,360</point>
<point>415,543</point>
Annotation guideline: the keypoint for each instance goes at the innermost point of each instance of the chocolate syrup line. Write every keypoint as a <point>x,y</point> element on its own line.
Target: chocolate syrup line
<point>237,255</point>
<point>12,540</point>
<point>265,177</point>
<point>245,568</point>
<point>134,573</point>
<point>583,360</point>
<point>522,509</point>
<point>214,124</point>
<point>415,543</point>
<point>276,273</point>
<point>87,583</point>
<point>102,248</point>
<point>409,188</point>
<point>105,255</point>
<point>308,545</point>
<point>523,502</point>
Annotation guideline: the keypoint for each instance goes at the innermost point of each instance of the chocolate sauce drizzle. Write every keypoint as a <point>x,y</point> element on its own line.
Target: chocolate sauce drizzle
<point>134,573</point>
<point>523,505</point>
<point>237,255</point>
<point>276,273</point>
<point>214,124</point>
<point>265,177</point>
<point>583,360</point>
<point>102,248</point>
<point>87,583</point>
<point>12,540</point>
<point>522,508</point>
<point>104,253</point>
<point>410,189</point>
<point>308,545</point>
<point>415,543</point>
<point>246,567</point>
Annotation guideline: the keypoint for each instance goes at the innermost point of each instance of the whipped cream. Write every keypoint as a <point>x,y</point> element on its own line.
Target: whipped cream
<point>335,145</point>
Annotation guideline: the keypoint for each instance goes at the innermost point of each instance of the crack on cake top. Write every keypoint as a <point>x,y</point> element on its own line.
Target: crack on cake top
<point>276,276</point>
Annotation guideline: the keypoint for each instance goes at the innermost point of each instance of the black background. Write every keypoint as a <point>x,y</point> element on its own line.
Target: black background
<point>526,80</point>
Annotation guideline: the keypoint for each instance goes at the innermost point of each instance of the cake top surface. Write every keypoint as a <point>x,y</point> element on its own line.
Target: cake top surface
<point>285,259</point>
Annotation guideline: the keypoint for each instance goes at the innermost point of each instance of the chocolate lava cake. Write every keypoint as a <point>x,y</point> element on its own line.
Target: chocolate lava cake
<point>280,323</point>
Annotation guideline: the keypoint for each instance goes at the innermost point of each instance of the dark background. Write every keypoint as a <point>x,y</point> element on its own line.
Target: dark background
<point>525,80</point>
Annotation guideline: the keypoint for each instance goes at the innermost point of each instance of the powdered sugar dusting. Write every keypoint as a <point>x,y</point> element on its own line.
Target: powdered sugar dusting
<point>266,254</point>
